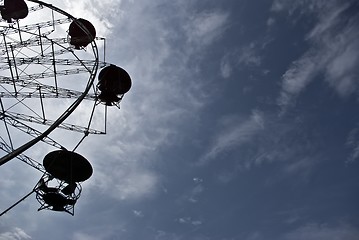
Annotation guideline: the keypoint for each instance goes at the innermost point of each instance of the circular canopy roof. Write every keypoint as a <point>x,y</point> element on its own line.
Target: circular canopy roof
<point>114,79</point>
<point>67,166</point>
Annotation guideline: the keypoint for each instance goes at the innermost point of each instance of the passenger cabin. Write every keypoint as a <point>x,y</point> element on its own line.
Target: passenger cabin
<point>14,9</point>
<point>59,188</point>
<point>113,83</point>
<point>81,33</point>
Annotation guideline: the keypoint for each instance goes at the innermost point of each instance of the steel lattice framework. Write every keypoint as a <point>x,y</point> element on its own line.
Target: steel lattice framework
<point>34,59</point>
<point>46,72</point>
<point>43,80</point>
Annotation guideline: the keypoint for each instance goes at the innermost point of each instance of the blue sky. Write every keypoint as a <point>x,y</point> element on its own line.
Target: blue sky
<point>241,124</point>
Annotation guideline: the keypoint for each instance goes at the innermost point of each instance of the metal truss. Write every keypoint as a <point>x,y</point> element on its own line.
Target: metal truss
<point>41,60</point>
<point>44,75</point>
<point>29,130</point>
<point>42,121</point>
<point>36,26</point>
<point>41,91</point>
<point>36,41</point>
<point>22,157</point>
<point>61,93</point>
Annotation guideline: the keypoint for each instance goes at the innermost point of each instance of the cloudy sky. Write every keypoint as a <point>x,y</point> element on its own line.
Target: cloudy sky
<point>242,124</point>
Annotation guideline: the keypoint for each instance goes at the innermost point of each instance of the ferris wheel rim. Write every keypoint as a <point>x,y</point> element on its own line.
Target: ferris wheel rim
<point>73,106</point>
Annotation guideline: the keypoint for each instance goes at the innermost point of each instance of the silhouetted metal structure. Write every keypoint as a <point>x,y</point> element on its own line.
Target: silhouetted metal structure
<point>59,188</point>
<point>40,66</point>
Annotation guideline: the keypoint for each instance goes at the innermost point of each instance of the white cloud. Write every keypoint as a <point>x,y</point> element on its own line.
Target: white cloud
<point>255,236</point>
<point>192,195</point>
<point>83,236</point>
<point>162,99</point>
<point>15,234</point>
<point>197,180</point>
<point>298,76</point>
<point>162,235</point>
<point>270,21</point>
<point>234,133</point>
<point>302,6</point>
<point>206,27</point>
<point>341,71</point>
<point>327,18</point>
<point>353,143</point>
<point>261,140</point>
<point>196,222</point>
<point>316,231</point>
<point>225,177</point>
<point>123,182</point>
<point>277,6</point>
<point>189,220</point>
<point>98,13</point>
<point>301,165</point>
<point>247,56</point>
<point>334,51</point>
<point>226,68</point>
<point>138,213</point>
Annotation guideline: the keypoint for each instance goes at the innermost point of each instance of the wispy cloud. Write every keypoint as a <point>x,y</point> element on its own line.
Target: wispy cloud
<point>167,95</point>
<point>205,27</point>
<point>247,56</point>
<point>162,235</point>
<point>317,231</point>
<point>333,54</point>
<point>353,144</point>
<point>233,133</point>
<point>298,76</point>
<point>138,213</point>
<point>14,234</point>
<point>159,59</point>
<point>83,236</point>
<point>189,220</point>
<point>124,183</point>
<point>262,139</point>
<point>93,11</point>
<point>226,67</point>
<point>193,195</point>
<point>143,39</point>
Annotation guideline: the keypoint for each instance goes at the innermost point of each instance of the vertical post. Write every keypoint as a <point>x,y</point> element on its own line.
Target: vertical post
<point>104,49</point>
<point>105,119</point>
<point>54,65</point>
<point>18,27</point>
<point>14,59</point>
<point>42,105</point>
<point>5,123</point>
<point>40,39</point>
<point>9,62</point>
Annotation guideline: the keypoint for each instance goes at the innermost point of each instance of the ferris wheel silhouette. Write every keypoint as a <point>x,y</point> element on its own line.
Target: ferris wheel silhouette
<point>49,62</point>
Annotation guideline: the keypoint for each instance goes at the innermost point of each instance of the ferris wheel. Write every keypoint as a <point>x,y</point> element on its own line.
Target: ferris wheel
<point>49,64</point>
